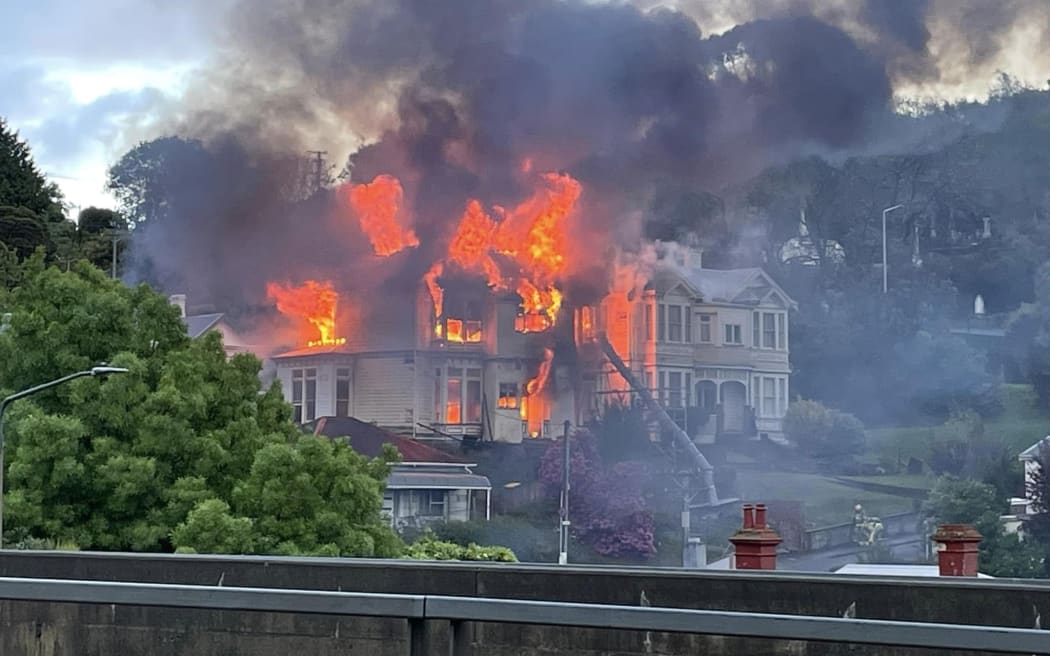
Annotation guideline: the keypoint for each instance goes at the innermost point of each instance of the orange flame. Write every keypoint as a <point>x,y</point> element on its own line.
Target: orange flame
<point>533,406</point>
<point>531,236</point>
<point>312,303</point>
<point>536,385</point>
<point>378,205</point>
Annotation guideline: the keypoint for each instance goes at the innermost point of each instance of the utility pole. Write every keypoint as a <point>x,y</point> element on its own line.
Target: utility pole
<point>318,159</point>
<point>885,267</point>
<point>563,527</point>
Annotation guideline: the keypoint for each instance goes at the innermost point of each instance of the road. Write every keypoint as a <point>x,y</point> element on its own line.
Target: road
<point>905,549</point>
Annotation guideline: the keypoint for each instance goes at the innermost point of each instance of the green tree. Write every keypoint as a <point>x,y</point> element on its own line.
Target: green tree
<point>1038,490</point>
<point>21,183</point>
<point>961,501</point>
<point>144,461</point>
<point>147,179</point>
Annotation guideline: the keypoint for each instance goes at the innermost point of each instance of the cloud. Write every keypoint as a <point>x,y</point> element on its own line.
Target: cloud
<point>69,134</point>
<point>103,31</point>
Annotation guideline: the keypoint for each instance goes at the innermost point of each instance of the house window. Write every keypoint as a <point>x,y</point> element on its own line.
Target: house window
<point>648,323</point>
<point>687,389</point>
<point>462,396</point>
<point>781,396</point>
<point>674,389</point>
<point>756,330</point>
<point>782,331</point>
<point>473,400</point>
<point>527,322</point>
<point>674,323</point>
<point>462,323</point>
<point>769,397</point>
<point>649,382</point>
<point>508,395</point>
<point>706,328</point>
<point>769,330</point>
<point>304,395</point>
<point>688,324</point>
<point>430,503</point>
<point>342,392</point>
<point>734,334</point>
<point>437,395</point>
<point>454,396</point>
<point>662,383</point>
<point>661,322</point>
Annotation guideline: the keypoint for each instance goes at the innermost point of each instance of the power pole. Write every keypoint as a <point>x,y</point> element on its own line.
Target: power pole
<point>318,161</point>
<point>563,526</point>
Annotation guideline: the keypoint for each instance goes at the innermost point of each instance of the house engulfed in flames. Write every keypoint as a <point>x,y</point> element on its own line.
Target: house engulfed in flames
<point>483,348</point>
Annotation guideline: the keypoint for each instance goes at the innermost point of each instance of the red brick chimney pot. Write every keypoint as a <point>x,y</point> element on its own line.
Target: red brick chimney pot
<point>958,555</point>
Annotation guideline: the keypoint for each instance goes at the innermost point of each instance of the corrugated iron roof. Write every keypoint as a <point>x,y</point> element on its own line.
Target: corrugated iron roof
<point>402,479</point>
<point>368,439</point>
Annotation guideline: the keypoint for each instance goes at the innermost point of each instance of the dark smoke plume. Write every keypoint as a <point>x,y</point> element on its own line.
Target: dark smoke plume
<point>451,97</point>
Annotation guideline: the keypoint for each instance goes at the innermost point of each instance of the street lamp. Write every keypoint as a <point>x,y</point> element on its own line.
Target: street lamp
<point>100,371</point>
<point>885,270</point>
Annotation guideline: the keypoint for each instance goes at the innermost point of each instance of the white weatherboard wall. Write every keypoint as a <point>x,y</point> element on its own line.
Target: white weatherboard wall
<point>384,390</point>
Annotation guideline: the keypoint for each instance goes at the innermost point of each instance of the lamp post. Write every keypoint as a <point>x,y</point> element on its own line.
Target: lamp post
<point>103,370</point>
<point>885,269</point>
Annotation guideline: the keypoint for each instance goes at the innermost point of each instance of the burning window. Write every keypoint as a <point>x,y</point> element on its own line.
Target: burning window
<point>508,396</point>
<point>304,395</point>
<point>587,323</point>
<point>528,322</point>
<point>460,324</point>
<point>463,396</point>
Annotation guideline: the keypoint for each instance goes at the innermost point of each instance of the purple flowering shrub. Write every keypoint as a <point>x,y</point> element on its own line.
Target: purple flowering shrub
<point>606,506</point>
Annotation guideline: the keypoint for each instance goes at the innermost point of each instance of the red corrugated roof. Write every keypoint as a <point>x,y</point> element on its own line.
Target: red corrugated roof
<point>368,440</point>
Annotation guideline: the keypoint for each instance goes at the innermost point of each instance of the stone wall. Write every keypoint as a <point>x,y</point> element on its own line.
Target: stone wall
<point>57,629</point>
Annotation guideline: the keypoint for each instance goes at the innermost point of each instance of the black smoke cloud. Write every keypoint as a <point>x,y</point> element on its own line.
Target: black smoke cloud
<point>452,97</point>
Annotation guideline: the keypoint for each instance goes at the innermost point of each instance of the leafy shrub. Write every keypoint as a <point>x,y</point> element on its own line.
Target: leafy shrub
<point>428,547</point>
<point>823,432</point>
<point>606,506</point>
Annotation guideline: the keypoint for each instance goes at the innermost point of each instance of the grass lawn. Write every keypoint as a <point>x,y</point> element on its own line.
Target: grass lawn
<point>825,501</point>
<point>1019,426</point>
<point>909,481</point>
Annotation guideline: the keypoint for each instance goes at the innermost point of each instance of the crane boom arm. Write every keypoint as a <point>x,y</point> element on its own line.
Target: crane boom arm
<point>703,467</point>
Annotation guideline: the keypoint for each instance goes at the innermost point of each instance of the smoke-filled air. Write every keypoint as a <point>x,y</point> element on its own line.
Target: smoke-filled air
<point>768,251</point>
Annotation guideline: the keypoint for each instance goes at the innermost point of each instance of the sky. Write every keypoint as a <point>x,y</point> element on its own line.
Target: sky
<point>83,81</point>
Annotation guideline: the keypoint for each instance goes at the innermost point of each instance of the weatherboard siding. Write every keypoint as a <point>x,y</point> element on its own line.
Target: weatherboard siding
<point>384,390</point>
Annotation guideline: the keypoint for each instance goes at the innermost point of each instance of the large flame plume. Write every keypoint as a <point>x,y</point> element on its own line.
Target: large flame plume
<point>311,304</point>
<point>379,206</point>
<point>526,249</point>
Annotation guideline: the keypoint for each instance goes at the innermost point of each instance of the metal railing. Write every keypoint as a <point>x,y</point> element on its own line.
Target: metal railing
<point>461,611</point>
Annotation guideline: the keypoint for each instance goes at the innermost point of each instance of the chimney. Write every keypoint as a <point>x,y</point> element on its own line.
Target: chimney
<point>755,543</point>
<point>179,300</point>
<point>957,549</point>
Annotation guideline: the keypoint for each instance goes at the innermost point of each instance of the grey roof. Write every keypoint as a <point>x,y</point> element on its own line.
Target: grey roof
<point>720,285</point>
<point>199,324</point>
<point>1032,452</point>
<point>717,285</point>
<point>431,480</point>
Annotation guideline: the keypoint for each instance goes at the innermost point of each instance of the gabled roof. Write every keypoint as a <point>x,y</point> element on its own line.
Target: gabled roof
<point>198,324</point>
<point>1032,452</point>
<point>745,286</point>
<point>368,440</point>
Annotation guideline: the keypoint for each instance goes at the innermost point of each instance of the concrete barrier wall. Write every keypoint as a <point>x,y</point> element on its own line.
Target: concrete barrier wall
<point>67,629</point>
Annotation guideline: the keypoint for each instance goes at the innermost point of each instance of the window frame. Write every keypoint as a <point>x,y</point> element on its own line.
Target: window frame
<point>738,334</point>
